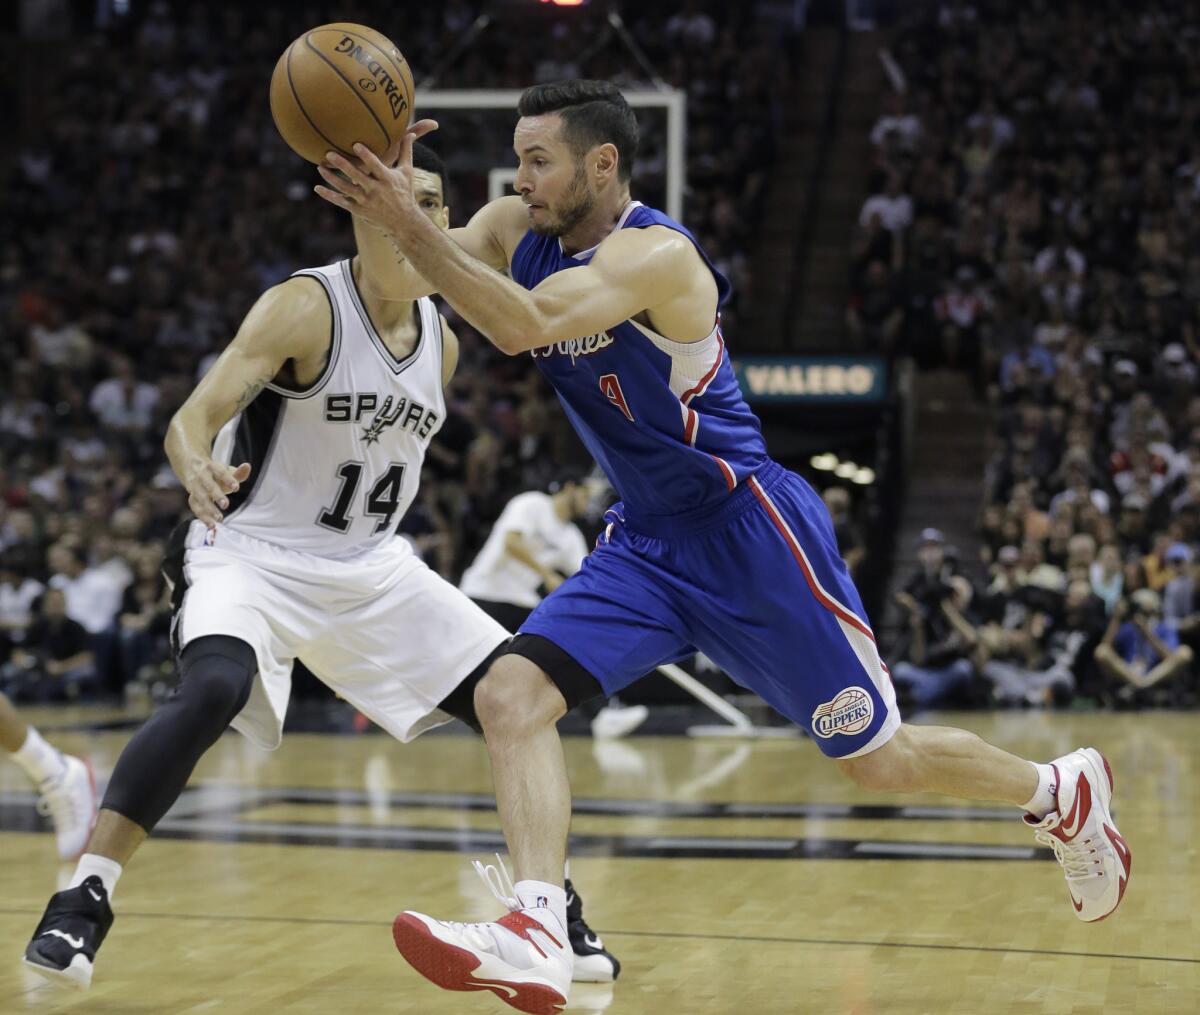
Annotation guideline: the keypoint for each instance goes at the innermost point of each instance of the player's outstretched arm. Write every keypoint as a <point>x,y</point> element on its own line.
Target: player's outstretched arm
<point>489,237</point>
<point>633,270</point>
<point>288,322</point>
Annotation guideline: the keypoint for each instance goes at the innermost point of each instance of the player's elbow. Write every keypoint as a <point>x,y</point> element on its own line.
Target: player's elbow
<point>507,341</point>
<point>537,323</point>
<point>171,437</point>
<point>518,337</point>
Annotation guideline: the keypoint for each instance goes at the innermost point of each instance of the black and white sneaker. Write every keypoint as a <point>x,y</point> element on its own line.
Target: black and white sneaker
<point>64,945</point>
<point>593,964</point>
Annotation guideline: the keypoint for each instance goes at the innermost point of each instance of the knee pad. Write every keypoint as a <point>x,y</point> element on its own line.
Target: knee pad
<point>216,676</point>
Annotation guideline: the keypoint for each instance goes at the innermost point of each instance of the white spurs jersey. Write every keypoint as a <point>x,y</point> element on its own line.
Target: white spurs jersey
<point>334,467</point>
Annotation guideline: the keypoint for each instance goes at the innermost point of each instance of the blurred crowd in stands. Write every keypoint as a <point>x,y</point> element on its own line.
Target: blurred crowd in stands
<point>152,203</point>
<point>1035,221</point>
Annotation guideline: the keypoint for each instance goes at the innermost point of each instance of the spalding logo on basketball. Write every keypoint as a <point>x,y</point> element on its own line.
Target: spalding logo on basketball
<point>850,712</point>
<point>349,49</point>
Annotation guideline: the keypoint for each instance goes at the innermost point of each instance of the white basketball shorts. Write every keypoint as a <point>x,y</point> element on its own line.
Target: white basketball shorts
<point>386,633</point>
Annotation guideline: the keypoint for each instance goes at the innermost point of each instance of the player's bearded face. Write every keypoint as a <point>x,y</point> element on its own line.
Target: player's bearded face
<point>574,206</point>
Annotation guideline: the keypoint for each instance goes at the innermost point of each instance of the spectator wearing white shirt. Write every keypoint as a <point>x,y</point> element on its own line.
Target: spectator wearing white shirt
<point>899,123</point>
<point>122,402</point>
<point>93,593</point>
<point>57,343</point>
<point>894,208</point>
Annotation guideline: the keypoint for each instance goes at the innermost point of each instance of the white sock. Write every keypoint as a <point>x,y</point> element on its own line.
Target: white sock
<point>552,899</point>
<point>108,871</point>
<point>1044,799</point>
<point>38,758</point>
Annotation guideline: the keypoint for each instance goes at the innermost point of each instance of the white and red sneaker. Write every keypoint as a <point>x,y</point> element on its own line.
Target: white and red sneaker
<point>1095,857</point>
<point>523,958</point>
<point>69,800</point>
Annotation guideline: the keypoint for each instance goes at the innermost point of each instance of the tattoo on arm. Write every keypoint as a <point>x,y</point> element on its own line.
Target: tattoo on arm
<point>250,393</point>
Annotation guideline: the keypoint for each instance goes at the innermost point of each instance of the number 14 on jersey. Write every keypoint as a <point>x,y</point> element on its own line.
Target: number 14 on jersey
<point>382,500</point>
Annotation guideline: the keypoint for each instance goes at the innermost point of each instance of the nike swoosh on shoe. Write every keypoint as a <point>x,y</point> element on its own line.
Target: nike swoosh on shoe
<point>74,942</point>
<point>1074,819</point>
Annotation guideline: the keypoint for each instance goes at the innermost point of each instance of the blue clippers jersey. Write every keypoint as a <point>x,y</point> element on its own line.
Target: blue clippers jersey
<point>665,420</point>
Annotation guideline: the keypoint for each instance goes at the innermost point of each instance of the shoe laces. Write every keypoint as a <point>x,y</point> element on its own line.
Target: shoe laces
<point>1079,861</point>
<point>499,882</point>
<point>489,935</point>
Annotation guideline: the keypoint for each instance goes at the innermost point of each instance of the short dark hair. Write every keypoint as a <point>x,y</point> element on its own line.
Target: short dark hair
<point>430,161</point>
<point>593,112</point>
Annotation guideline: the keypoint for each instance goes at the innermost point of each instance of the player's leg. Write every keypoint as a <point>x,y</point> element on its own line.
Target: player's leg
<point>67,790</point>
<point>609,719</point>
<point>518,706</point>
<point>1067,806</point>
<point>520,957</point>
<point>217,673</point>
<point>594,963</point>
<point>942,759</point>
<point>803,594</point>
<point>235,667</point>
<point>409,655</point>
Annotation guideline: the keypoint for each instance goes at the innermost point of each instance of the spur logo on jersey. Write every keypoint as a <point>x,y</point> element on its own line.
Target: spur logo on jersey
<point>575,347</point>
<point>400,412</point>
<point>850,712</point>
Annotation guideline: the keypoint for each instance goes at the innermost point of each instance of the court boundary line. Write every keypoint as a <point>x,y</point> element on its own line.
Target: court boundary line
<point>755,939</point>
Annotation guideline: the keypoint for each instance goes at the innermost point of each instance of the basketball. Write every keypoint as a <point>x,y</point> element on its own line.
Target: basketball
<point>340,84</point>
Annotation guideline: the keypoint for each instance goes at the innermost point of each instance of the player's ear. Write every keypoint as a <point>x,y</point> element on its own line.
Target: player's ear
<point>604,161</point>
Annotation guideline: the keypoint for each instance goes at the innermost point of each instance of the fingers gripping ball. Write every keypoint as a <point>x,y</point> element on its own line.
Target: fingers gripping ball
<point>340,84</point>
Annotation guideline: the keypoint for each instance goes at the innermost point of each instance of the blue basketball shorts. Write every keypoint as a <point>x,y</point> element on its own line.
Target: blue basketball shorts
<point>757,585</point>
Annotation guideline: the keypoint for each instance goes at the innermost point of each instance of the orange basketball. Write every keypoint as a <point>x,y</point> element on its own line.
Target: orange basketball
<point>340,84</point>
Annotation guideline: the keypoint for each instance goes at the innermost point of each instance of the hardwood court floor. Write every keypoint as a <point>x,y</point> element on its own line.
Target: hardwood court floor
<point>728,877</point>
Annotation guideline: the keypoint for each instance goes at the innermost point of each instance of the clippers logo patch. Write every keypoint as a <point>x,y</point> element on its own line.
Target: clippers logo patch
<point>850,712</point>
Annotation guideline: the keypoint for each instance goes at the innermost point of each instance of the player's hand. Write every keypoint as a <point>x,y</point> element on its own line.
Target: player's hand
<point>417,131</point>
<point>208,484</point>
<point>375,189</point>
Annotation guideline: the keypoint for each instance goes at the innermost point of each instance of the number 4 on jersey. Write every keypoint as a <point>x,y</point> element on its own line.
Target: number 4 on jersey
<point>612,391</point>
<point>382,500</point>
